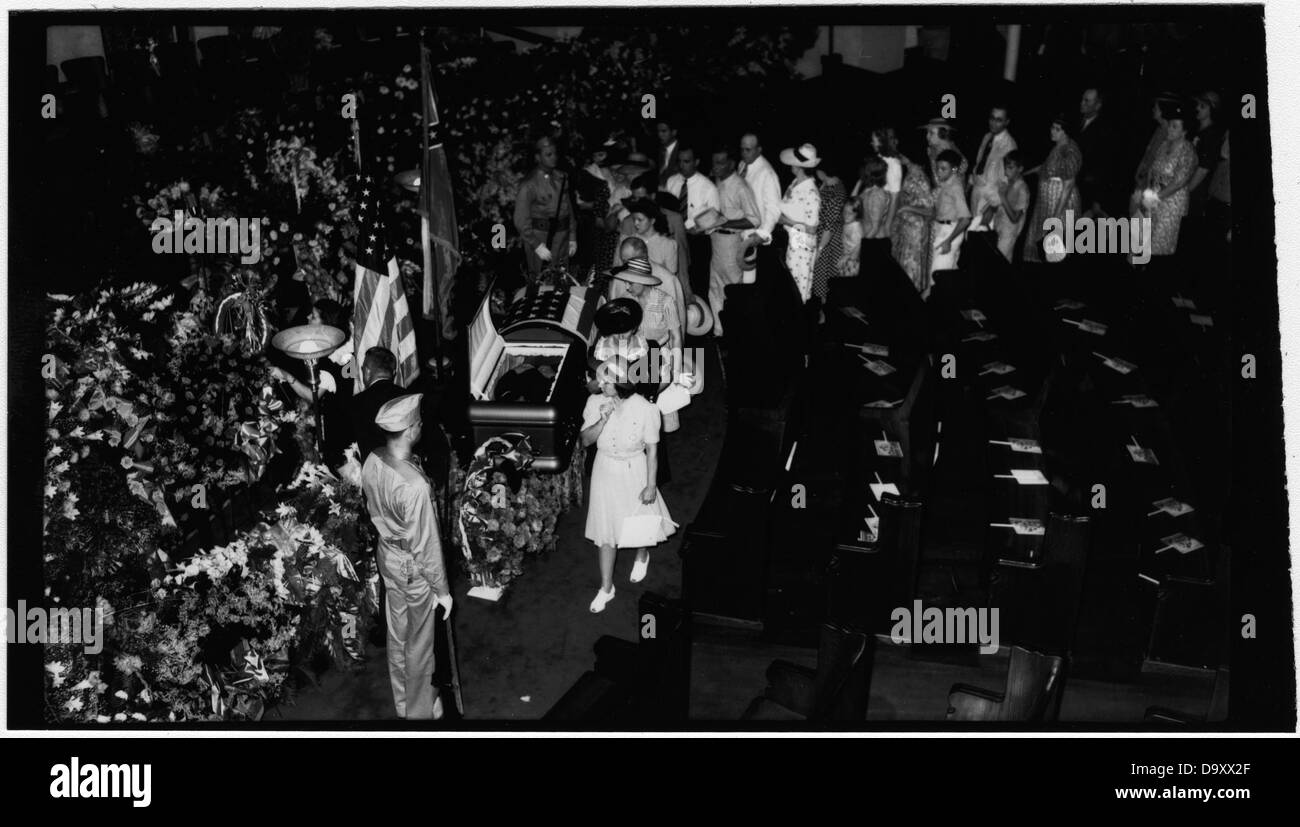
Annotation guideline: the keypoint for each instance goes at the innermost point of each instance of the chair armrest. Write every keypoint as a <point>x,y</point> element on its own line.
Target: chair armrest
<point>791,686</point>
<point>971,703</point>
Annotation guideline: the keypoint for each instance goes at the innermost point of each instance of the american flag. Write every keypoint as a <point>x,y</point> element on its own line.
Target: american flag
<point>380,316</point>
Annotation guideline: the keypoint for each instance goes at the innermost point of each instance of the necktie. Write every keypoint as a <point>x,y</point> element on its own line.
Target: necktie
<point>984,154</point>
<point>686,198</point>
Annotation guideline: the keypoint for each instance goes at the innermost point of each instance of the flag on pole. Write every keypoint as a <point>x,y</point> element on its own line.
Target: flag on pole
<point>380,316</point>
<point>441,240</point>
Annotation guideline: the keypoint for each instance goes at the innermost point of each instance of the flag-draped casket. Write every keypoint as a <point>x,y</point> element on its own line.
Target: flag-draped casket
<point>529,377</point>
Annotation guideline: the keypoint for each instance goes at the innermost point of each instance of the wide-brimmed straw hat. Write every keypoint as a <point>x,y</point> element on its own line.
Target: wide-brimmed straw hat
<point>637,271</point>
<point>699,318</point>
<point>805,156</point>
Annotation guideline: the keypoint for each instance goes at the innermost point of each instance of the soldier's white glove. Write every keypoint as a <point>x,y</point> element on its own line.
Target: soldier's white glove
<point>445,602</point>
<point>573,248</point>
<point>543,252</point>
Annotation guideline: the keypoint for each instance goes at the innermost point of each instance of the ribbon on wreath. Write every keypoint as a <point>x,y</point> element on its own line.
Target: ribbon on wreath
<point>255,438</point>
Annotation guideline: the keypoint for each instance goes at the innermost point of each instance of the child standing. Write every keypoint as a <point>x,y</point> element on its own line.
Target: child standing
<point>1008,216</point>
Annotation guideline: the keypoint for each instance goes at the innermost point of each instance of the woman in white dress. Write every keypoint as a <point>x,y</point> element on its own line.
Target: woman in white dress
<point>800,210</point>
<point>624,427</point>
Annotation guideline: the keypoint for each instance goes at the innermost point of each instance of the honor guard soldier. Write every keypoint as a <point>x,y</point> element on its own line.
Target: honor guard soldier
<point>544,214</point>
<point>400,500</point>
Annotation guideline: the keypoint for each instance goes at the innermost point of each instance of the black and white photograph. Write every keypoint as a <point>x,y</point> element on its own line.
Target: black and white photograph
<point>650,370</point>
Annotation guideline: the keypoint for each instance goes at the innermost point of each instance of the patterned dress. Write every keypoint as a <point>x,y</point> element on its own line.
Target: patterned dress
<point>911,232</point>
<point>1171,164</point>
<point>1056,176</point>
<point>802,203</point>
<point>831,220</point>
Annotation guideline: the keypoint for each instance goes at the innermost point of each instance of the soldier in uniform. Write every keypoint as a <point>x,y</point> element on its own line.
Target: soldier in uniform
<point>544,212</point>
<point>400,500</point>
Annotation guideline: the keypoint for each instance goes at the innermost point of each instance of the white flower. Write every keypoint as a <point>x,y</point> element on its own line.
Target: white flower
<point>74,705</point>
<point>121,693</point>
<point>102,719</point>
<point>138,716</point>
<point>121,716</point>
<point>56,671</point>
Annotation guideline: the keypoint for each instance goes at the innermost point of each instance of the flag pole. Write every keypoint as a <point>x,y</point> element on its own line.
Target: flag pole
<point>432,307</point>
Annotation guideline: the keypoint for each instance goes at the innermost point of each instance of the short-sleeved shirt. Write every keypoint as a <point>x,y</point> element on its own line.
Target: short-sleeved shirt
<point>950,201</point>
<point>634,424</point>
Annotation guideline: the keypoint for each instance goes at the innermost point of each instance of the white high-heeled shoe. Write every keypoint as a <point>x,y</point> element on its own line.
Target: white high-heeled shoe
<point>639,568</point>
<point>598,605</point>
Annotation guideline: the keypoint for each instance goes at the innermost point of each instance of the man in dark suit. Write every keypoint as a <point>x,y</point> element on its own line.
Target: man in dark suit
<point>1099,189</point>
<point>667,160</point>
<point>377,371</point>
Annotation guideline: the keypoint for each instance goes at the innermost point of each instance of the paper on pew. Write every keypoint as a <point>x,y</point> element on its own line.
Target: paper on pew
<point>877,366</point>
<point>1025,476</point>
<point>1184,304</point>
<point>1069,304</point>
<point>1024,526</point>
<point>981,336</point>
<point>883,403</point>
<point>1200,319</point>
<point>1118,365</point>
<point>1006,392</point>
<point>854,313</point>
<point>1181,543</point>
<point>880,489</point>
<point>974,315</point>
<point>1137,400</point>
<point>1020,446</point>
<point>872,531</point>
<point>868,347</point>
<point>886,448</point>
<point>1144,455</point>
<point>997,367</point>
<point>1171,506</point>
<point>1088,325</point>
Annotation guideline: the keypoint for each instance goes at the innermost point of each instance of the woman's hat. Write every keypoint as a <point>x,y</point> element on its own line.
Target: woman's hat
<point>805,156</point>
<point>667,202</point>
<point>944,122</point>
<point>631,165</point>
<point>699,318</point>
<point>1211,99</point>
<point>618,316</point>
<point>637,271</point>
<point>644,206</point>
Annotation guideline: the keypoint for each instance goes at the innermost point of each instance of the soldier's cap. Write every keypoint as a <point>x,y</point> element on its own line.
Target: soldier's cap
<point>399,414</point>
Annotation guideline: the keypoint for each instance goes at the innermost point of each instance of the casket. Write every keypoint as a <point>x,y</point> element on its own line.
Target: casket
<point>530,376</point>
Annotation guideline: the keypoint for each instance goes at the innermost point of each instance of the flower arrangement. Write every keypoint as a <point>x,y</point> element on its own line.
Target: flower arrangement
<point>216,636</point>
<point>504,513</point>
